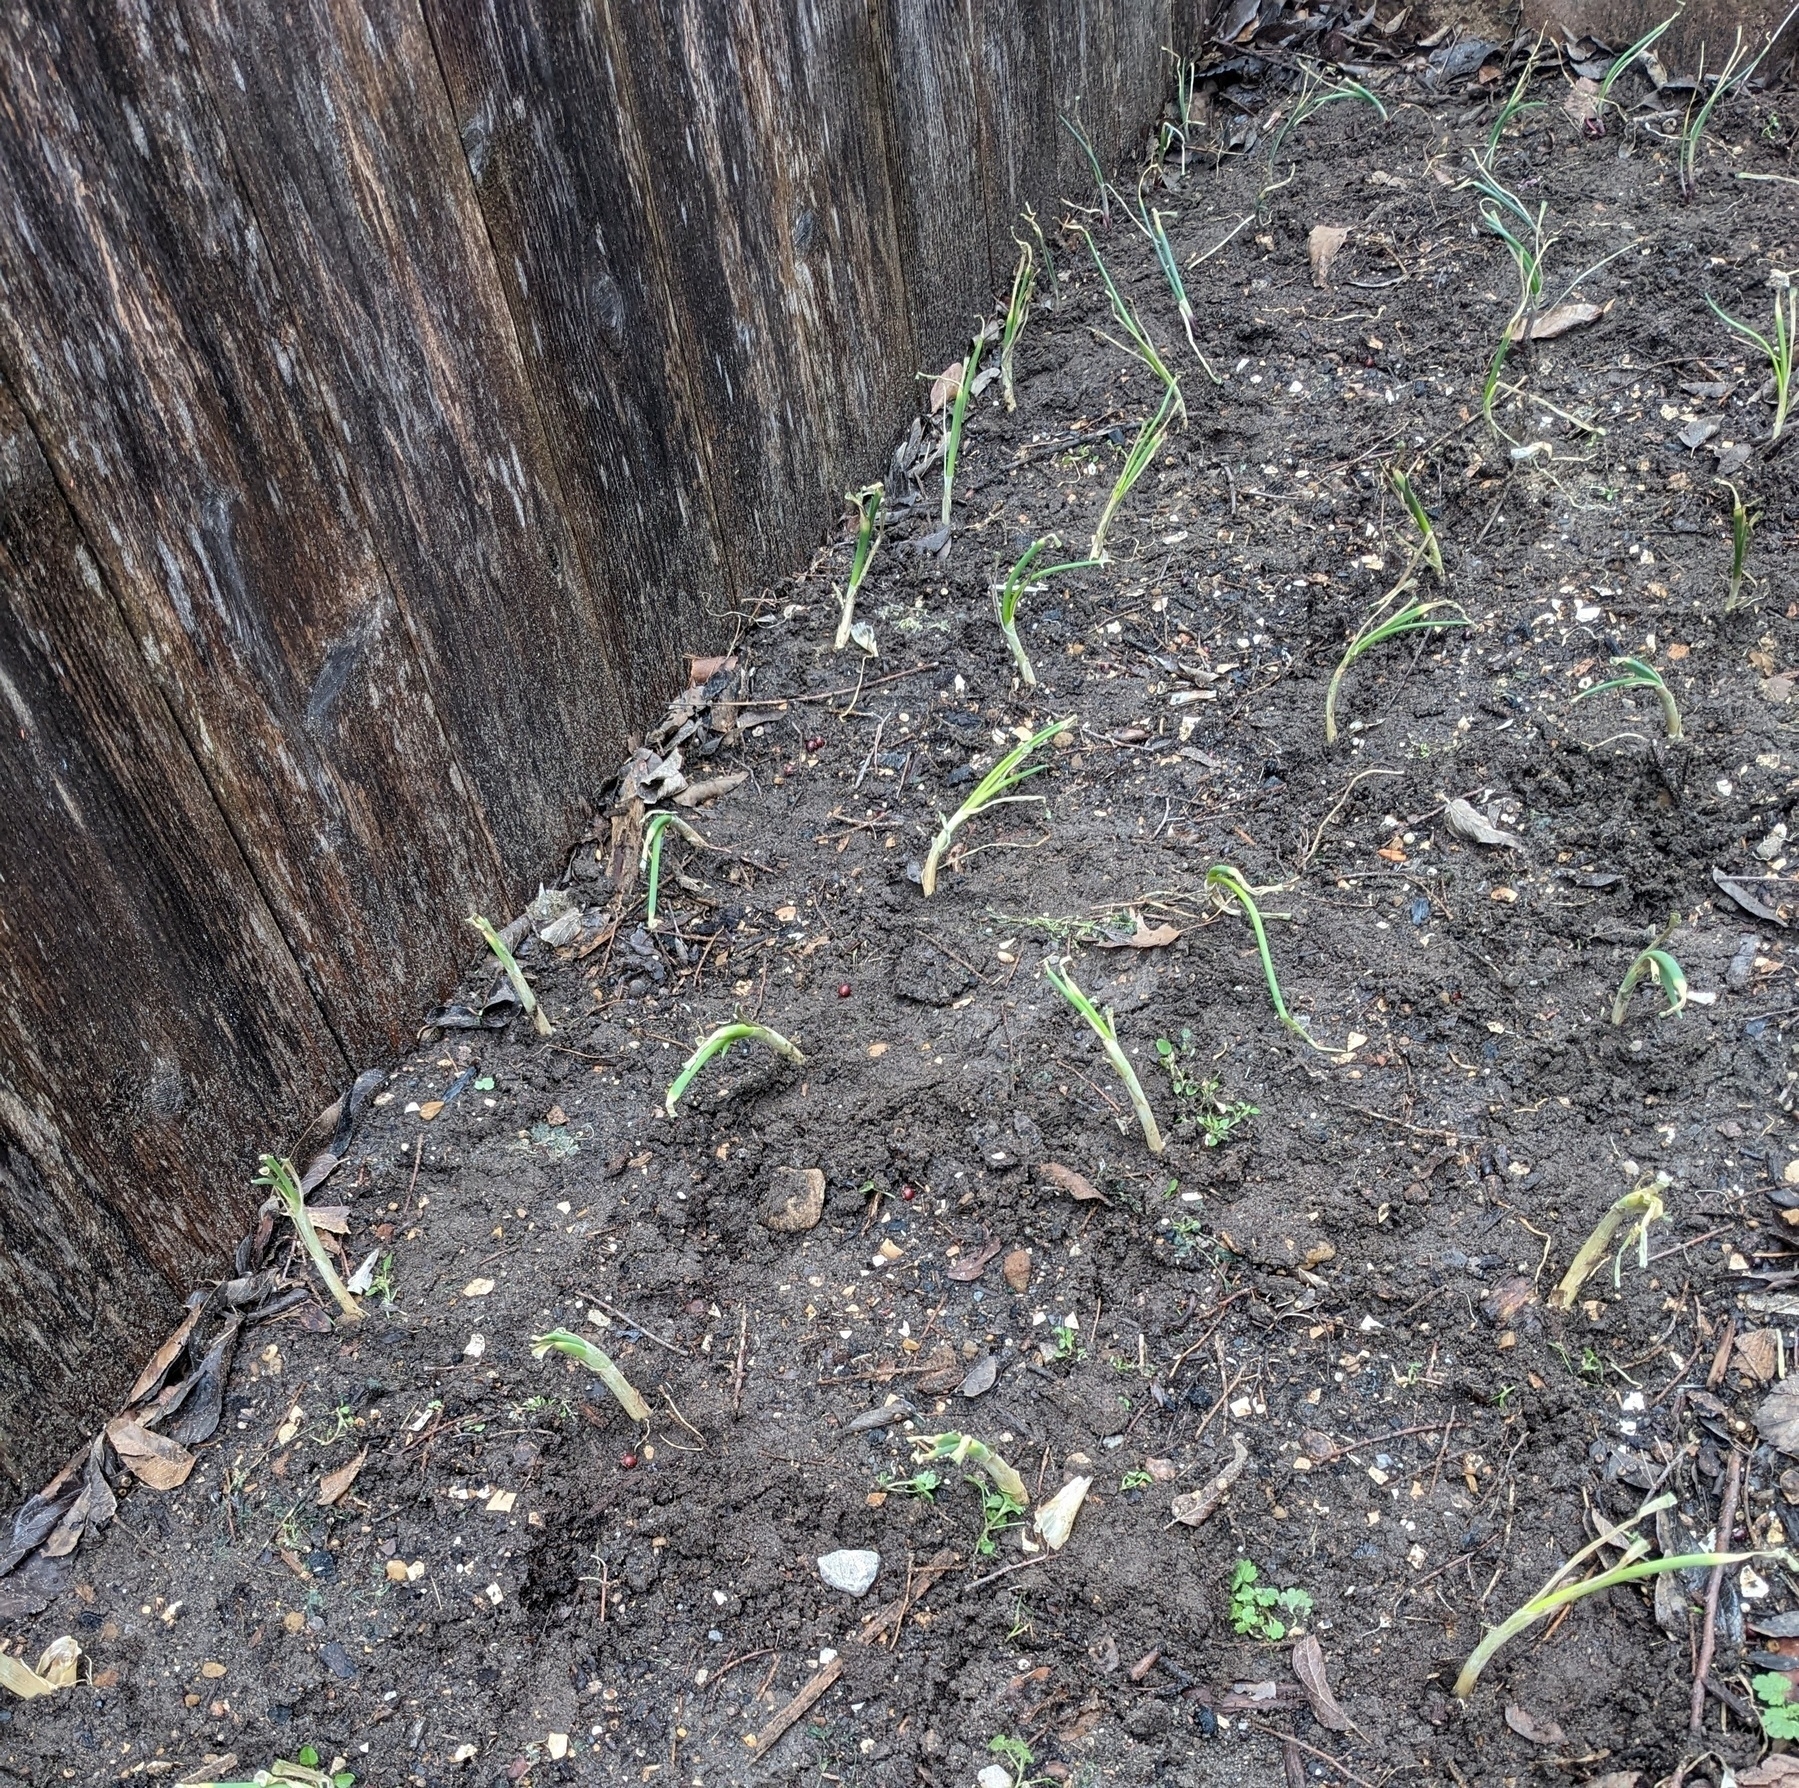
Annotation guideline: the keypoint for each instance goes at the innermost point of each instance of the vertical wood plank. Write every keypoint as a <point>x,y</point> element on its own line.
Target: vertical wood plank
<point>150,1012</point>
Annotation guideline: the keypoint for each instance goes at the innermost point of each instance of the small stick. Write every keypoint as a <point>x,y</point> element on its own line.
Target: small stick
<point>775,701</point>
<point>1292,1764</point>
<point>743,1333</point>
<point>731,1664</point>
<point>675,1412</point>
<point>798,1705</point>
<point>1023,1564</point>
<point>648,1334</point>
<point>1727,1514</point>
<point>1311,1751</point>
<point>418,1154</point>
<point>605,1585</point>
<point>1721,1359</point>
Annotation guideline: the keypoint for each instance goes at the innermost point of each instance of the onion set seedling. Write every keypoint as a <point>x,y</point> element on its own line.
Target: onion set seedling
<point>578,1347</point>
<point>1227,881</point>
<point>1383,623</point>
<point>649,860</point>
<point>1742,527</point>
<point>1662,966</point>
<point>279,1176</point>
<point>1138,341</point>
<point>867,505</point>
<point>1149,221</point>
<point>993,790</point>
<point>1316,92</point>
<point>1018,308</point>
<point>717,1044</point>
<point>1557,1593</point>
<point>965,1450</point>
<point>1638,675</point>
<point>1692,130</point>
<point>1020,578</point>
<point>1641,47</point>
<point>1099,179</point>
<point>1645,1205</point>
<point>952,440</point>
<point>1428,549</point>
<point>520,986</point>
<point>1777,347</point>
<point>1106,1029</point>
<point>1143,451</point>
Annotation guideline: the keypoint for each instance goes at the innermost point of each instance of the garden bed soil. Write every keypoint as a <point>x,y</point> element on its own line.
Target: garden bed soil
<point>1352,1284</point>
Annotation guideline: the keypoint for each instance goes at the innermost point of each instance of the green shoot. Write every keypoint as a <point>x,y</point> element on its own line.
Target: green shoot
<point>520,986</point>
<point>1018,580</point>
<point>1638,675</point>
<point>1315,93</point>
<point>1018,308</point>
<point>1139,342</point>
<point>1527,247</point>
<point>1384,623</point>
<point>279,1176</point>
<point>952,442</point>
<point>1692,131</point>
<point>578,1347</point>
<point>1632,1568</point>
<point>1256,1609</point>
<point>1020,1760</point>
<point>1099,179</point>
<point>717,1044</point>
<point>867,504</point>
<point>1106,1029</point>
<point>1742,526</point>
<point>1495,368</point>
<point>1660,964</point>
<point>1641,47</point>
<point>1776,348</point>
<point>1516,104</point>
<point>1043,249</point>
<point>1408,495</point>
<point>1143,450</point>
<point>1773,1692</point>
<point>922,1484</point>
<point>1645,1205</point>
<point>1149,221</point>
<point>964,1449</point>
<point>649,860</point>
<point>993,790</point>
<point>1229,882</point>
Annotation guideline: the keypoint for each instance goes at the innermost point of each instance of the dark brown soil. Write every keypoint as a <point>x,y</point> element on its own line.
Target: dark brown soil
<point>1327,1286</point>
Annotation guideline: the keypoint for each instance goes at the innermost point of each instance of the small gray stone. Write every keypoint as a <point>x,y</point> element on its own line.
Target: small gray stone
<point>852,1571</point>
<point>796,1200</point>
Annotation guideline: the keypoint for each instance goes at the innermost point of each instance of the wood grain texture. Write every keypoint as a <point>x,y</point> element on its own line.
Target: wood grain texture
<point>150,1007</point>
<point>389,391</point>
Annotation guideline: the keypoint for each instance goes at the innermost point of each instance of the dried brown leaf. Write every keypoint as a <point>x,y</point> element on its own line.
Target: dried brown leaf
<point>1065,1179</point>
<point>945,386</point>
<point>1528,1725</point>
<point>1193,1508</point>
<point>153,1459</point>
<point>1558,320</point>
<point>698,793</point>
<point>1308,1666</point>
<point>149,1381</point>
<point>334,1483</point>
<point>971,1266</point>
<point>1322,247</point>
<point>1145,937</point>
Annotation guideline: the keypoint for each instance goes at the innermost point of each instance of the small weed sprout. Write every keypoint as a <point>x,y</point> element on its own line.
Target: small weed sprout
<point>1557,1593</point>
<point>649,859</point>
<point>1018,309</point>
<point>1742,528</point>
<point>717,1044</point>
<point>1143,450</point>
<point>1776,347</point>
<point>1644,1204</point>
<point>578,1347</point>
<point>1020,1760</point>
<point>1216,1116</point>
<point>867,505</point>
<point>1428,549</point>
<point>279,1176</point>
<point>952,440</point>
<point>1699,112</point>
<point>993,790</point>
<point>1774,1695</point>
<point>520,986</point>
<point>1663,967</point>
<point>1383,623</point>
<point>1638,675</point>
<point>1025,575</point>
<point>1105,1028</point>
<point>1257,1610</point>
<point>1229,883</point>
<point>1065,1337</point>
<point>1004,1497</point>
<point>922,1484</point>
<point>1135,1479</point>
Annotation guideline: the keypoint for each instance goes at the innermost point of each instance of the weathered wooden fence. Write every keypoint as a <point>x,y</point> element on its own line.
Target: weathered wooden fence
<point>388,392</point>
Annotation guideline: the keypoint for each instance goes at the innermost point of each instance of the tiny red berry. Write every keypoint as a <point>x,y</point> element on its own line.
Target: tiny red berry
<point>627,1462</point>
<point>843,990</point>
<point>815,744</point>
<point>908,1193</point>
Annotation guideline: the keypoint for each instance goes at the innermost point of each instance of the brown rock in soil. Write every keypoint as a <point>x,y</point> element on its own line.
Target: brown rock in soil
<point>796,1200</point>
<point>1016,1269</point>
